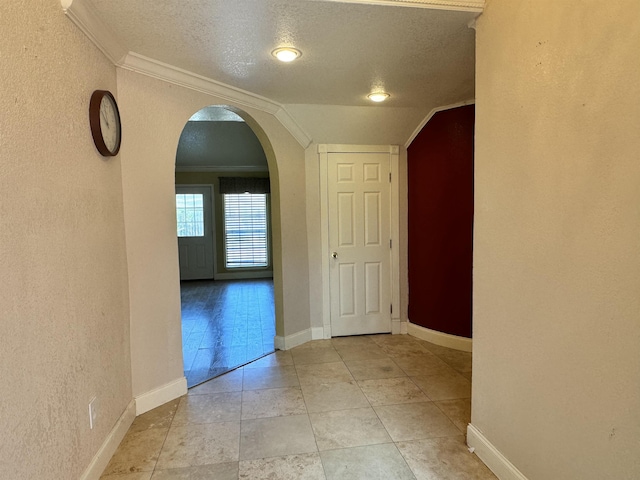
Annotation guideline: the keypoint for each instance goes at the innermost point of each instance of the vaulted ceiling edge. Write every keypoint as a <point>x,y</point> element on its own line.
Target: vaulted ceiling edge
<point>433,111</point>
<point>82,13</point>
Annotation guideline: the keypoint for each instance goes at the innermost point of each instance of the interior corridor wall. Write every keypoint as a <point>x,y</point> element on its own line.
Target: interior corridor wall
<point>556,357</point>
<point>440,177</point>
<point>64,313</point>
<point>153,116</point>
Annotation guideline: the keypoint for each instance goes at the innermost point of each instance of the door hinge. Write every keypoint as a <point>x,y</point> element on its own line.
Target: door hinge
<point>389,177</point>
<point>390,243</point>
<point>391,308</point>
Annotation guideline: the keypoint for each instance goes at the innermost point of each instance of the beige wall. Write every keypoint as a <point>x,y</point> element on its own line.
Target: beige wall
<point>314,235</point>
<point>372,125</point>
<point>556,379</point>
<point>64,319</point>
<point>154,114</point>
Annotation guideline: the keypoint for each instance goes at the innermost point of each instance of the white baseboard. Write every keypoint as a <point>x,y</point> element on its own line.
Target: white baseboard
<point>101,459</point>
<point>398,327</point>
<point>443,339</point>
<point>491,456</point>
<point>161,395</point>
<point>317,333</point>
<point>243,275</point>
<point>290,341</point>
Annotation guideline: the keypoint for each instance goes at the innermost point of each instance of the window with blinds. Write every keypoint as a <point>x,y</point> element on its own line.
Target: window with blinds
<point>245,230</point>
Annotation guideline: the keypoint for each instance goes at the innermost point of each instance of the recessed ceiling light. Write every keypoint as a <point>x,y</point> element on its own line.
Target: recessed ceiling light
<point>286,54</point>
<point>378,96</point>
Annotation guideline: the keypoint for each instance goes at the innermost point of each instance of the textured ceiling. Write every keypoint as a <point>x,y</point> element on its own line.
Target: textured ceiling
<point>423,57</point>
<point>215,114</point>
<point>220,144</point>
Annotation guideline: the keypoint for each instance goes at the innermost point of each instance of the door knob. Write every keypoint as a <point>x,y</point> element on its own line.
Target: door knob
<point>334,254</point>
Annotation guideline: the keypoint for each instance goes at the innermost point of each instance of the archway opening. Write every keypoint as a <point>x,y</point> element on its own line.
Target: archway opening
<point>223,211</point>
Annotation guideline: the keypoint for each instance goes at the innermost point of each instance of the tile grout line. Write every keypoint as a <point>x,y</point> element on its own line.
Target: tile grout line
<point>306,407</point>
<point>308,415</point>
<point>155,465</point>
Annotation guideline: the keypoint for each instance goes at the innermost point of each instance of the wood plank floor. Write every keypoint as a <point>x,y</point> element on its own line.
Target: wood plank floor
<point>225,324</point>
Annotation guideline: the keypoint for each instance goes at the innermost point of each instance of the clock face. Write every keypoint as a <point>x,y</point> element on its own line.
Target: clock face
<point>104,119</point>
<point>109,123</point>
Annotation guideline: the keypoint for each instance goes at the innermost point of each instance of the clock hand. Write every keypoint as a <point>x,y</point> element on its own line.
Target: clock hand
<point>104,116</point>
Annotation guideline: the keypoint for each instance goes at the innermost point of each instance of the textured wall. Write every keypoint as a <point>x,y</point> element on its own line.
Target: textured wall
<point>371,125</point>
<point>556,376</point>
<point>154,114</point>
<point>64,320</point>
<point>440,177</point>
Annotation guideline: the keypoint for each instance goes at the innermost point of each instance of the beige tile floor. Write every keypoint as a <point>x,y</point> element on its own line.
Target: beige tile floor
<point>370,407</point>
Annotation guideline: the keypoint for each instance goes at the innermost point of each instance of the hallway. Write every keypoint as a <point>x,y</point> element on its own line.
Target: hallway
<point>378,407</point>
<point>225,324</point>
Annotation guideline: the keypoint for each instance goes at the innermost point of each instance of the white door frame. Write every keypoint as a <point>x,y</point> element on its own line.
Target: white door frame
<point>394,153</point>
<point>213,220</point>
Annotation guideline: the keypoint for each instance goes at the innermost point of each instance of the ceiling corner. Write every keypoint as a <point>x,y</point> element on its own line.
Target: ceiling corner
<point>430,116</point>
<point>84,16</point>
<point>82,13</point>
<point>293,127</point>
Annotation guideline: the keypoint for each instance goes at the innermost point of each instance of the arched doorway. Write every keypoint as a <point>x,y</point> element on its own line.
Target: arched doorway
<point>224,244</point>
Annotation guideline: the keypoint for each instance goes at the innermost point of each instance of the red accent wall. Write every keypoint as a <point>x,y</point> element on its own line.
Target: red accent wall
<point>440,168</point>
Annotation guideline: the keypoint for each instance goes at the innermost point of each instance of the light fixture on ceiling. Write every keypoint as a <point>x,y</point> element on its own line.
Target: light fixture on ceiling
<point>286,54</point>
<point>378,96</point>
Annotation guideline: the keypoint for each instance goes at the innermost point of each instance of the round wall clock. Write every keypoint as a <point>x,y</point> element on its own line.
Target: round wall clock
<point>104,119</point>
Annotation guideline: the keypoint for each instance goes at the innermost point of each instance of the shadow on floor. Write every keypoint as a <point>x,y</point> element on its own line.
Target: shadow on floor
<point>225,324</point>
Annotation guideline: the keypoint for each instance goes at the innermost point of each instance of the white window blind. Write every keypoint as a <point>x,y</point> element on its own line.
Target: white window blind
<point>245,230</point>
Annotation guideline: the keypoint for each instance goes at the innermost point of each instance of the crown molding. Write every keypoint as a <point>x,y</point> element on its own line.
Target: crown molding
<point>83,14</point>
<point>184,78</point>
<point>475,6</point>
<point>292,126</point>
<point>177,76</point>
<point>430,116</point>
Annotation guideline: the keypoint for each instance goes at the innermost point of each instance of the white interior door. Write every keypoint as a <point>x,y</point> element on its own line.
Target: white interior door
<point>358,190</point>
<point>195,232</point>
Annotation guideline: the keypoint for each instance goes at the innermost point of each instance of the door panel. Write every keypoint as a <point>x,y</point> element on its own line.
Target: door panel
<point>195,232</point>
<point>372,219</point>
<point>345,219</point>
<point>359,233</point>
<point>372,287</point>
<point>347,293</point>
